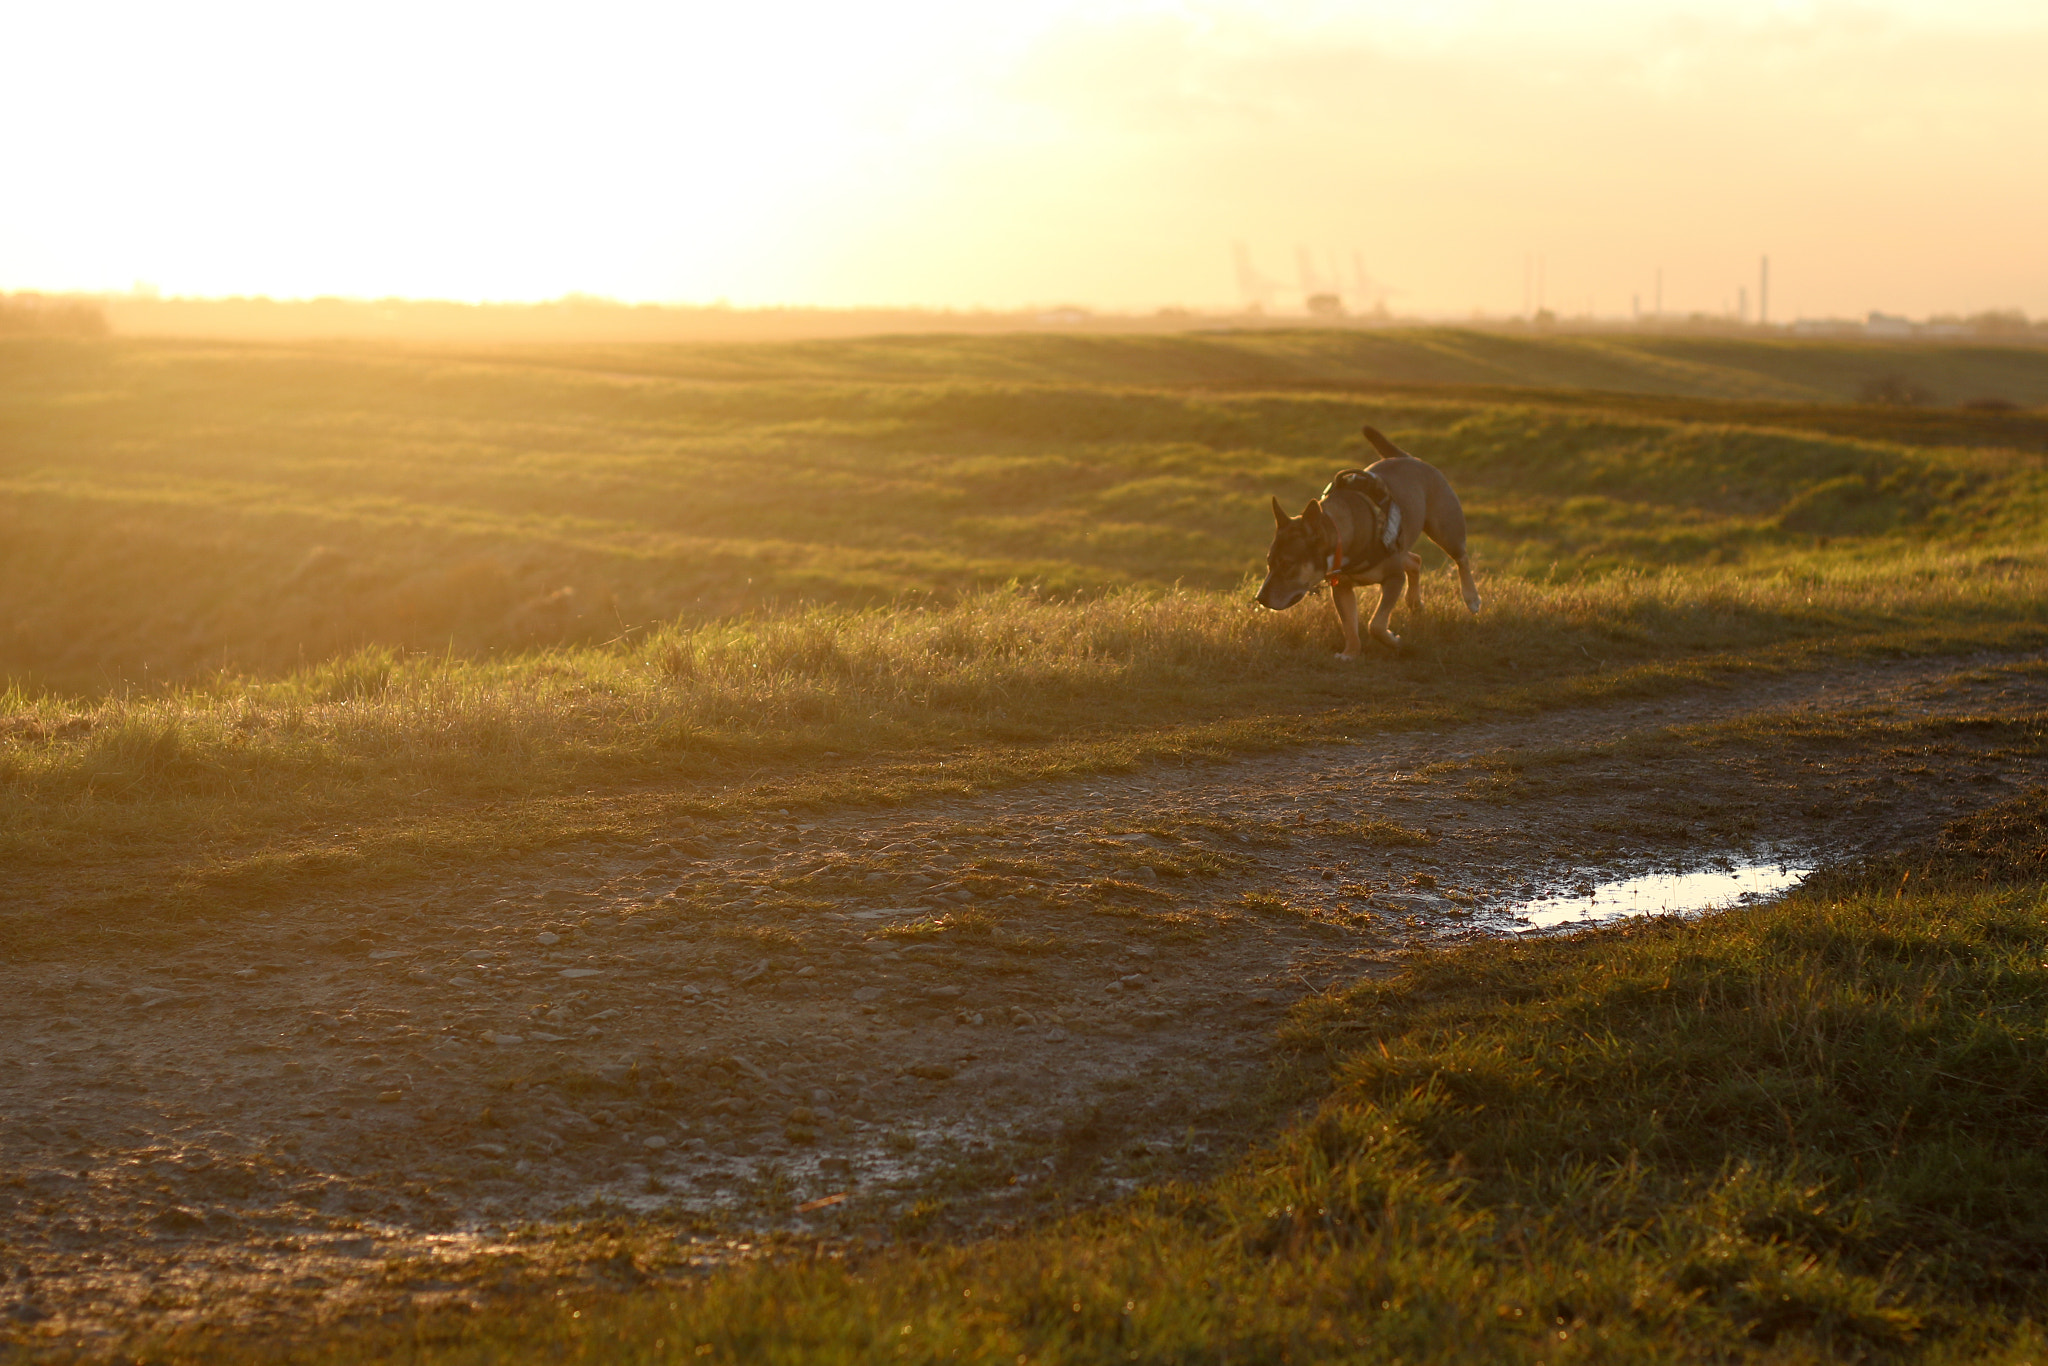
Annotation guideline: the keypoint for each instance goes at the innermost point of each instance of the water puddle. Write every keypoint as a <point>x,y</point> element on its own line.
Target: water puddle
<point>1709,889</point>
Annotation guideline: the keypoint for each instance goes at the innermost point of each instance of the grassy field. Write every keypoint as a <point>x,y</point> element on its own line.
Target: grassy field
<point>173,510</point>
<point>289,612</point>
<point>286,618</point>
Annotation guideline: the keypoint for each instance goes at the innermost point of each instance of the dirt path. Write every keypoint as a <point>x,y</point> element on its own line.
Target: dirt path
<point>858,1026</point>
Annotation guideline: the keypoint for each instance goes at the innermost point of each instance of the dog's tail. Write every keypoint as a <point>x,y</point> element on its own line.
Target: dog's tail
<point>1382,445</point>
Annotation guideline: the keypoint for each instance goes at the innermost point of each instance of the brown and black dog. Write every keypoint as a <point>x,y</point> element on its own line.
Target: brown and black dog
<point>1363,530</point>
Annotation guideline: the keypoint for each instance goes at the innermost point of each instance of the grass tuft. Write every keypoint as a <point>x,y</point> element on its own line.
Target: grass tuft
<point>1385,834</point>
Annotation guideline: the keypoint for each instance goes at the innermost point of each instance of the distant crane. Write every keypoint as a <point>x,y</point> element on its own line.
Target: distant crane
<point>1256,290</point>
<point>1305,267</point>
<point>1321,299</point>
<point>1368,295</point>
<point>1323,294</point>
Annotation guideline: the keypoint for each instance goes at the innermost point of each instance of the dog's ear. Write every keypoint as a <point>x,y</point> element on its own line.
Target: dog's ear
<point>1279,516</point>
<point>1312,520</point>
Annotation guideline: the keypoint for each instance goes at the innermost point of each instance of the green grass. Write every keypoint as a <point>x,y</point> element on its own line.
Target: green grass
<point>291,619</point>
<point>1796,1133</point>
<point>1722,368</point>
<point>168,511</point>
<point>291,615</point>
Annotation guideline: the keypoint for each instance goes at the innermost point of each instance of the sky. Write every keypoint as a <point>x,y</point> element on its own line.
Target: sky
<point>1442,158</point>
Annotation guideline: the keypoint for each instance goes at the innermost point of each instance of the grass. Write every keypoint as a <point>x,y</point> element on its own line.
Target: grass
<point>286,620</point>
<point>169,511</point>
<point>290,616</point>
<point>1718,368</point>
<point>1792,1133</point>
<point>1385,834</point>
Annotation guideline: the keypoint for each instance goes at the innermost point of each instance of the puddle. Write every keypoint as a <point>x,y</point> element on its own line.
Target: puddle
<point>1710,889</point>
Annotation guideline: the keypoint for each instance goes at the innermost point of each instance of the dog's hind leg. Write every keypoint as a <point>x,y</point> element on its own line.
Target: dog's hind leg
<point>1469,584</point>
<point>1411,565</point>
<point>1448,532</point>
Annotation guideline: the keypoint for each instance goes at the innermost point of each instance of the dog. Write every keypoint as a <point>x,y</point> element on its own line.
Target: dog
<point>1363,531</point>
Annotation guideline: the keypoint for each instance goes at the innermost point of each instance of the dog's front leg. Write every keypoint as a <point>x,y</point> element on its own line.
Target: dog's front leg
<point>1344,602</point>
<point>1389,575</point>
<point>1390,594</point>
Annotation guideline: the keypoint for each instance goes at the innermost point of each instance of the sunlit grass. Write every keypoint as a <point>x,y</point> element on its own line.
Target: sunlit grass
<point>284,621</point>
<point>169,510</point>
<point>1004,666</point>
<point>381,765</point>
<point>284,614</point>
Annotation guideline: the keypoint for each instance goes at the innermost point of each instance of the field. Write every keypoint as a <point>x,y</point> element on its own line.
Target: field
<point>930,912</point>
<point>259,590</point>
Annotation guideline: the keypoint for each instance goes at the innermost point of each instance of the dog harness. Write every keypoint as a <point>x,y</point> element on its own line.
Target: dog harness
<point>1367,489</point>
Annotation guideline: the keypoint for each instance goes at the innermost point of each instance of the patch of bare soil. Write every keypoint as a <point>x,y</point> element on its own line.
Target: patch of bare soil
<point>848,1028</point>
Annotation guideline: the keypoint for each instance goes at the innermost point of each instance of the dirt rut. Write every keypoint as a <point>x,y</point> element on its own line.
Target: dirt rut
<point>862,1025</point>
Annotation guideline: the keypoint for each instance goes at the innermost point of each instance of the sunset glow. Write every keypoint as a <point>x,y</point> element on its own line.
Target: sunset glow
<point>1465,156</point>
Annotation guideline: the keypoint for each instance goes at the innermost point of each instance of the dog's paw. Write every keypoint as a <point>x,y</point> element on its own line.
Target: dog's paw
<point>1345,658</point>
<point>1473,603</point>
<point>1389,639</point>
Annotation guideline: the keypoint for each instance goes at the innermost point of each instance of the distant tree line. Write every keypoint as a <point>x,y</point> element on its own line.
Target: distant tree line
<point>23,315</point>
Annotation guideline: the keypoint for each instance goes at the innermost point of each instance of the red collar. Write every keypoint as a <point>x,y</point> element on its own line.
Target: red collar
<point>1334,569</point>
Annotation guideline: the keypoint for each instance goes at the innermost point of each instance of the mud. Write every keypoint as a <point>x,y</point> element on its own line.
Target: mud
<point>855,1027</point>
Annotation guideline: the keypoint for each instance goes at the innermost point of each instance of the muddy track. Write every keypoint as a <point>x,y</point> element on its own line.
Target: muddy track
<point>949,1016</point>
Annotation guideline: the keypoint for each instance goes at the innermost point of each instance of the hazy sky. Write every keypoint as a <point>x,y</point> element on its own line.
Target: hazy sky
<point>1887,155</point>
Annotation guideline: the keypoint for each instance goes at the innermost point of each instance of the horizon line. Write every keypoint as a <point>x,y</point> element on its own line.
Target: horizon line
<point>144,295</point>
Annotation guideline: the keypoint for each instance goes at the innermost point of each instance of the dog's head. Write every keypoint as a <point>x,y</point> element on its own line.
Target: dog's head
<point>1299,557</point>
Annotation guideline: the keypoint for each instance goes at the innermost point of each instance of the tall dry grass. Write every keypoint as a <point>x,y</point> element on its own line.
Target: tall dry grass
<point>998,667</point>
